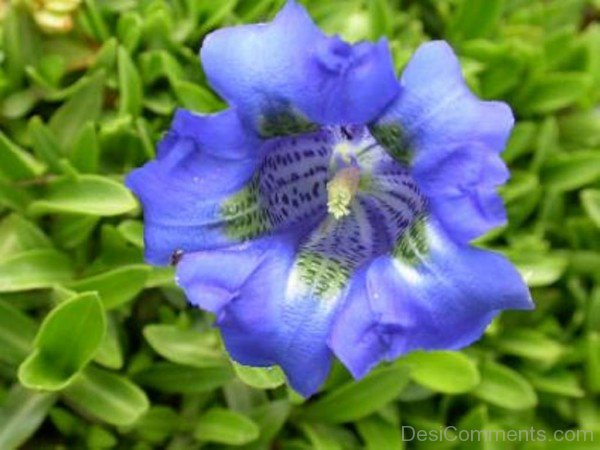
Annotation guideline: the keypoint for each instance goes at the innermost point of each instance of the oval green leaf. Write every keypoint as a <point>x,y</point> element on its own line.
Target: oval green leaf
<point>504,387</point>
<point>33,269</point>
<point>173,378</point>
<point>22,412</point>
<point>19,235</point>
<point>531,344</point>
<point>107,396</point>
<point>569,171</point>
<point>260,377</point>
<point>443,371</point>
<point>379,434</point>
<point>355,400</point>
<point>90,195</point>
<point>67,340</point>
<point>110,353</point>
<point>539,269</point>
<point>187,347</point>
<point>17,332</point>
<point>16,163</point>
<point>225,427</point>
<point>590,200</point>
<point>321,436</point>
<point>115,287</point>
<point>130,85</point>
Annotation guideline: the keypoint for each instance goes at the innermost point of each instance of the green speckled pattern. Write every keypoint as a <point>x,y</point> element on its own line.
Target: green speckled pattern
<point>412,245</point>
<point>391,137</point>
<point>243,214</point>
<point>285,122</point>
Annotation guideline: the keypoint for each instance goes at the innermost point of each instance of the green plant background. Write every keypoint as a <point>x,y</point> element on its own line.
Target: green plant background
<point>98,350</point>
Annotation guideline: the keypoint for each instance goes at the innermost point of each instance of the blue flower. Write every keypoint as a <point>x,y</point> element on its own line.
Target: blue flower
<point>328,212</point>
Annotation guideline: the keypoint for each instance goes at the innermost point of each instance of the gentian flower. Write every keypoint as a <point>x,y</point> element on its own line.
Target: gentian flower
<point>328,212</point>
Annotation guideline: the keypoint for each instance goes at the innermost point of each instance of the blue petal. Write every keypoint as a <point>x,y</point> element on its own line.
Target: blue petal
<point>213,185</point>
<point>276,297</point>
<point>462,191</point>
<point>262,321</point>
<point>436,108</point>
<point>242,286</point>
<point>445,300</point>
<point>289,67</point>
<point>201,161</point>
<point>449,135</point>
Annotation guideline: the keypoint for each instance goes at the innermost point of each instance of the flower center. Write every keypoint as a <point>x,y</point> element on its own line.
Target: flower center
<point>346,168</point>
<point>341,190</point>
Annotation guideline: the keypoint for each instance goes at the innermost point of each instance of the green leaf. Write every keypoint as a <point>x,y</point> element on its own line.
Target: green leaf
<point>581,128</point>
<point>519,186</point>
<point>553,92</point>
<point>187,347</point>
<point>115,287</point>
<point>531,344</point>
<point>225,427</point>
<point>19,235</point>
<point>590,200</point>
<point>21,415</point>
<point>381,15</point>
<point>45,145</point>
<point>161,277</point>
<point>156,64</point>
<point>504,387</point>
<point>157,424</point>
<point>133,232</point>
<point>110,353</point>
<point>539,269</point>
<point>130,85</point>
<point>65,422</point>
<point>107,396</point>
<point>19,104</point>
<point>475,18</point>
<point>17,332</point>
<point>95,19</point>
<point>17,164</point>
<point>70,231</point>
<point>443,371</point>
<point>129,30</point>
<point>592,362</point>
<point>67,340</point>
<point>355,400</point>
<point>546,144</point>
<point>321,437</point>
<point>571,171</point>
<point>378,434</point>
<point>593,309</point>
<point>559,383</point>
<point>90,195</point>
<point>33,269</point>
<point>260,377</point>
<point>520,142</point>
<point>21,42</point>
<point>15,199</point>
<point>82,107</point>
<point>173,378</point>
<point>195,97</point>
<point>270,418</point>
<point>98,437</point>
<point>86,149</point>
<point>106,56</point>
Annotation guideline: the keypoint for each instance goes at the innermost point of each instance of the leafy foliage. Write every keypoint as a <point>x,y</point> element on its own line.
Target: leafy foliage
<point>125,363</point>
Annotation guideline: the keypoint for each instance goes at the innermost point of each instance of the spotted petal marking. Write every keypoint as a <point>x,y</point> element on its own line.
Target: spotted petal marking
<point>288,189</point>
<point>388,208</point>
